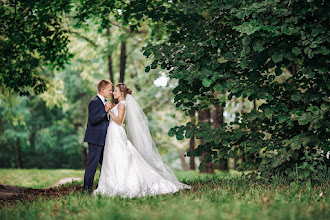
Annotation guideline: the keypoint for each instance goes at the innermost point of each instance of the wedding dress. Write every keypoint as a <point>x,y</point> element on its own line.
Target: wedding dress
<point>132,166</point>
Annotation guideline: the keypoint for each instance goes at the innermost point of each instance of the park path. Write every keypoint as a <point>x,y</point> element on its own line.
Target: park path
<point>12,194</point>
<point>66,180</point>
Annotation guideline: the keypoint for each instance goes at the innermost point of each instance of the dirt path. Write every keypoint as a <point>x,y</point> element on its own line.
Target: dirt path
<point>66,180</point>
<point>11,194</point>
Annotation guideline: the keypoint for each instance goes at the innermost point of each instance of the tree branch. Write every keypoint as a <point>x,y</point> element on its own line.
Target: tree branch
<point>83,37</point>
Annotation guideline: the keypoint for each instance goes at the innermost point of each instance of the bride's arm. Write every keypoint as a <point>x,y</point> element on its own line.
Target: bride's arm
<point>121,111</point>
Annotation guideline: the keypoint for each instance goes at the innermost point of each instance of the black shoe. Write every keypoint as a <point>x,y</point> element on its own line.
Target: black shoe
<point>86,191</point>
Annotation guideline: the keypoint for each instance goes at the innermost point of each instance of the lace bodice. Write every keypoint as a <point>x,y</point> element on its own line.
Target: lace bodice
<point>115,111</point>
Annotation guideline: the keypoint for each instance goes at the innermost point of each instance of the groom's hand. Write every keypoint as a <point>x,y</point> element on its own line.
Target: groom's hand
<point>107,106</point>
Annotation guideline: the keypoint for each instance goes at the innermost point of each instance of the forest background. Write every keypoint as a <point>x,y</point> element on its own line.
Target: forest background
<point>250,80</point>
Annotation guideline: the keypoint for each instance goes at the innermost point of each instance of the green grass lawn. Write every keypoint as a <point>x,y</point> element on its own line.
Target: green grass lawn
<point>219,196</point>
<point>36,178</point>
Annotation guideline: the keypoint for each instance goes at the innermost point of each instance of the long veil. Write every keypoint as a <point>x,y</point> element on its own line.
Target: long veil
<point>138,134</point>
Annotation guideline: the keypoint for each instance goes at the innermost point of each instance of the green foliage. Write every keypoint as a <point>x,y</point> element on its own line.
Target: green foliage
<point>239,47</point>
<point>219,196</point>
<point>245,49</point>
<point>49,128</point>
<point>45,137</point>
<point>31,37</point>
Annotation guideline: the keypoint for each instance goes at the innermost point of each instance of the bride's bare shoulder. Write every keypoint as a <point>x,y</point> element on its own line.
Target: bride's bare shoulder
<point>124,102</point>
<point>121,105</point>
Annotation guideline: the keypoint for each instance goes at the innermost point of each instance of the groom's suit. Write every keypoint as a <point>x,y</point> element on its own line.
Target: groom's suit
<point>95,134</point>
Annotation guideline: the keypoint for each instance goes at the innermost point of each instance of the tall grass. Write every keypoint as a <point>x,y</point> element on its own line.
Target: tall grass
<point>219,196</point>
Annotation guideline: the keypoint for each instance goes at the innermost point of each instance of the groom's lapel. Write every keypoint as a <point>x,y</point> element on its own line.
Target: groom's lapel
<point>99,99</point>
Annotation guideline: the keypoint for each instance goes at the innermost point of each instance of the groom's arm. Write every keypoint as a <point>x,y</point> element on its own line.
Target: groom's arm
<point>95,115</point>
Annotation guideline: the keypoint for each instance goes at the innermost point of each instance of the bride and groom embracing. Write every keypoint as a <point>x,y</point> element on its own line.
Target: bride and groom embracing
<point>131,164</point>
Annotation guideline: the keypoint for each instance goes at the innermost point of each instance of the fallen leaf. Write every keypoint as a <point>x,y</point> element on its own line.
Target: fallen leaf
<point>321,195</point>
<point>265,199</point>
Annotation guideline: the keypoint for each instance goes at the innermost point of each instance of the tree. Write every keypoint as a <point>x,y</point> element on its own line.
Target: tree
<point>192,143</point>
<point>47,129</point>
<point>31,37</point>
<point>242,48</point>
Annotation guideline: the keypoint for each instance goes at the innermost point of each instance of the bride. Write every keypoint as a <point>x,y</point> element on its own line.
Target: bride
<point>132,166</point>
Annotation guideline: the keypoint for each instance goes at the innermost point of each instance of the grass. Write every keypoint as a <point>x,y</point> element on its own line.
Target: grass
<point>36,178</point>
<point>219,196</point>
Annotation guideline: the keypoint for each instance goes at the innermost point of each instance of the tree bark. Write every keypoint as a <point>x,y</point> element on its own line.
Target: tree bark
<point>32,138</point>
<point>192,144</point>
<point>110,59</point>
<point>204,116</point>
<point>235,163</point>
<point>218,116</point>
<point>293,69</point>
<point>243,153</point>
<point>218,122</point>
<point>122,61</point>
<point>183,161</point>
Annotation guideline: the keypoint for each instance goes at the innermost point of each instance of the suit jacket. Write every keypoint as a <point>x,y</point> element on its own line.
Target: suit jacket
<point>97,124</point>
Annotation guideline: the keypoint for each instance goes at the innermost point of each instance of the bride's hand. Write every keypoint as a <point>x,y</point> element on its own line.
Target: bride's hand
<point>107,106</point>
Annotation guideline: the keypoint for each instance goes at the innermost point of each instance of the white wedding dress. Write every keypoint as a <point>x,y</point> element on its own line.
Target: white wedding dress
<point>132,166</point>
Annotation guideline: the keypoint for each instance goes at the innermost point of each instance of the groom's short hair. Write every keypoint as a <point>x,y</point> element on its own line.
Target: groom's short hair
<point>103,83</point>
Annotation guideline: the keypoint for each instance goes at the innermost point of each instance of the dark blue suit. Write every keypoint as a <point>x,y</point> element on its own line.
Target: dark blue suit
<point>96,132</point>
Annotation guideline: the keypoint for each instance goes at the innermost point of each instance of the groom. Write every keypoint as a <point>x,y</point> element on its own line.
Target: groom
<point>96,130</point>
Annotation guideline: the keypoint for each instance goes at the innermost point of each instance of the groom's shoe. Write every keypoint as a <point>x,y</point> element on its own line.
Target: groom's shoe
<point>86,191</point>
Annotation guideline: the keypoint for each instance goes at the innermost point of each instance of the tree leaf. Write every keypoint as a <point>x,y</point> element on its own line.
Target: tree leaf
<point>296,96</point>
<point>296,51</point>
<point>281,119</point>
<point>323,50</point>
<point>277,57</point>
<point>179,137</point>
<point>218,87</point>
<point>207,82</point>
<point>325,106</point>
<point>147,69</point>
<point>246,40</point>
<point>268,113</point>
<point>171,133</point>
<point>314,109</point>
<point>188,134</point>
<point>303,121</point>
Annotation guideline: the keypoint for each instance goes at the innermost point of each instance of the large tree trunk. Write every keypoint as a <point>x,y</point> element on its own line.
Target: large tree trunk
<point>122,61</point>
<point>204,116</point>
<point>218,122</point>
<point>218,116</point>
<point>293,69</point>
<point>243,113</point>
<point>32,138</point>
<point>192,143</point>
<point>183,161</point>
<point>84,156</point>
<point>235,163</point>
<point>110,59</point>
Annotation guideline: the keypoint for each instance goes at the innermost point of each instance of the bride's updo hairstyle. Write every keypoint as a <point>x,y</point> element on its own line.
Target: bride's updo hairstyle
<point>124,89</point>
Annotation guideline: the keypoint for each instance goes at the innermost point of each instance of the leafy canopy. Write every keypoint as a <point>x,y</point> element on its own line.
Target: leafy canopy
<point>32,36</point>
<point>241,48</point>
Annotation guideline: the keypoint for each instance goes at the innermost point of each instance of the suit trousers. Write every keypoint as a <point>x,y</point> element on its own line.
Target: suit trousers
<point>95,156</point>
